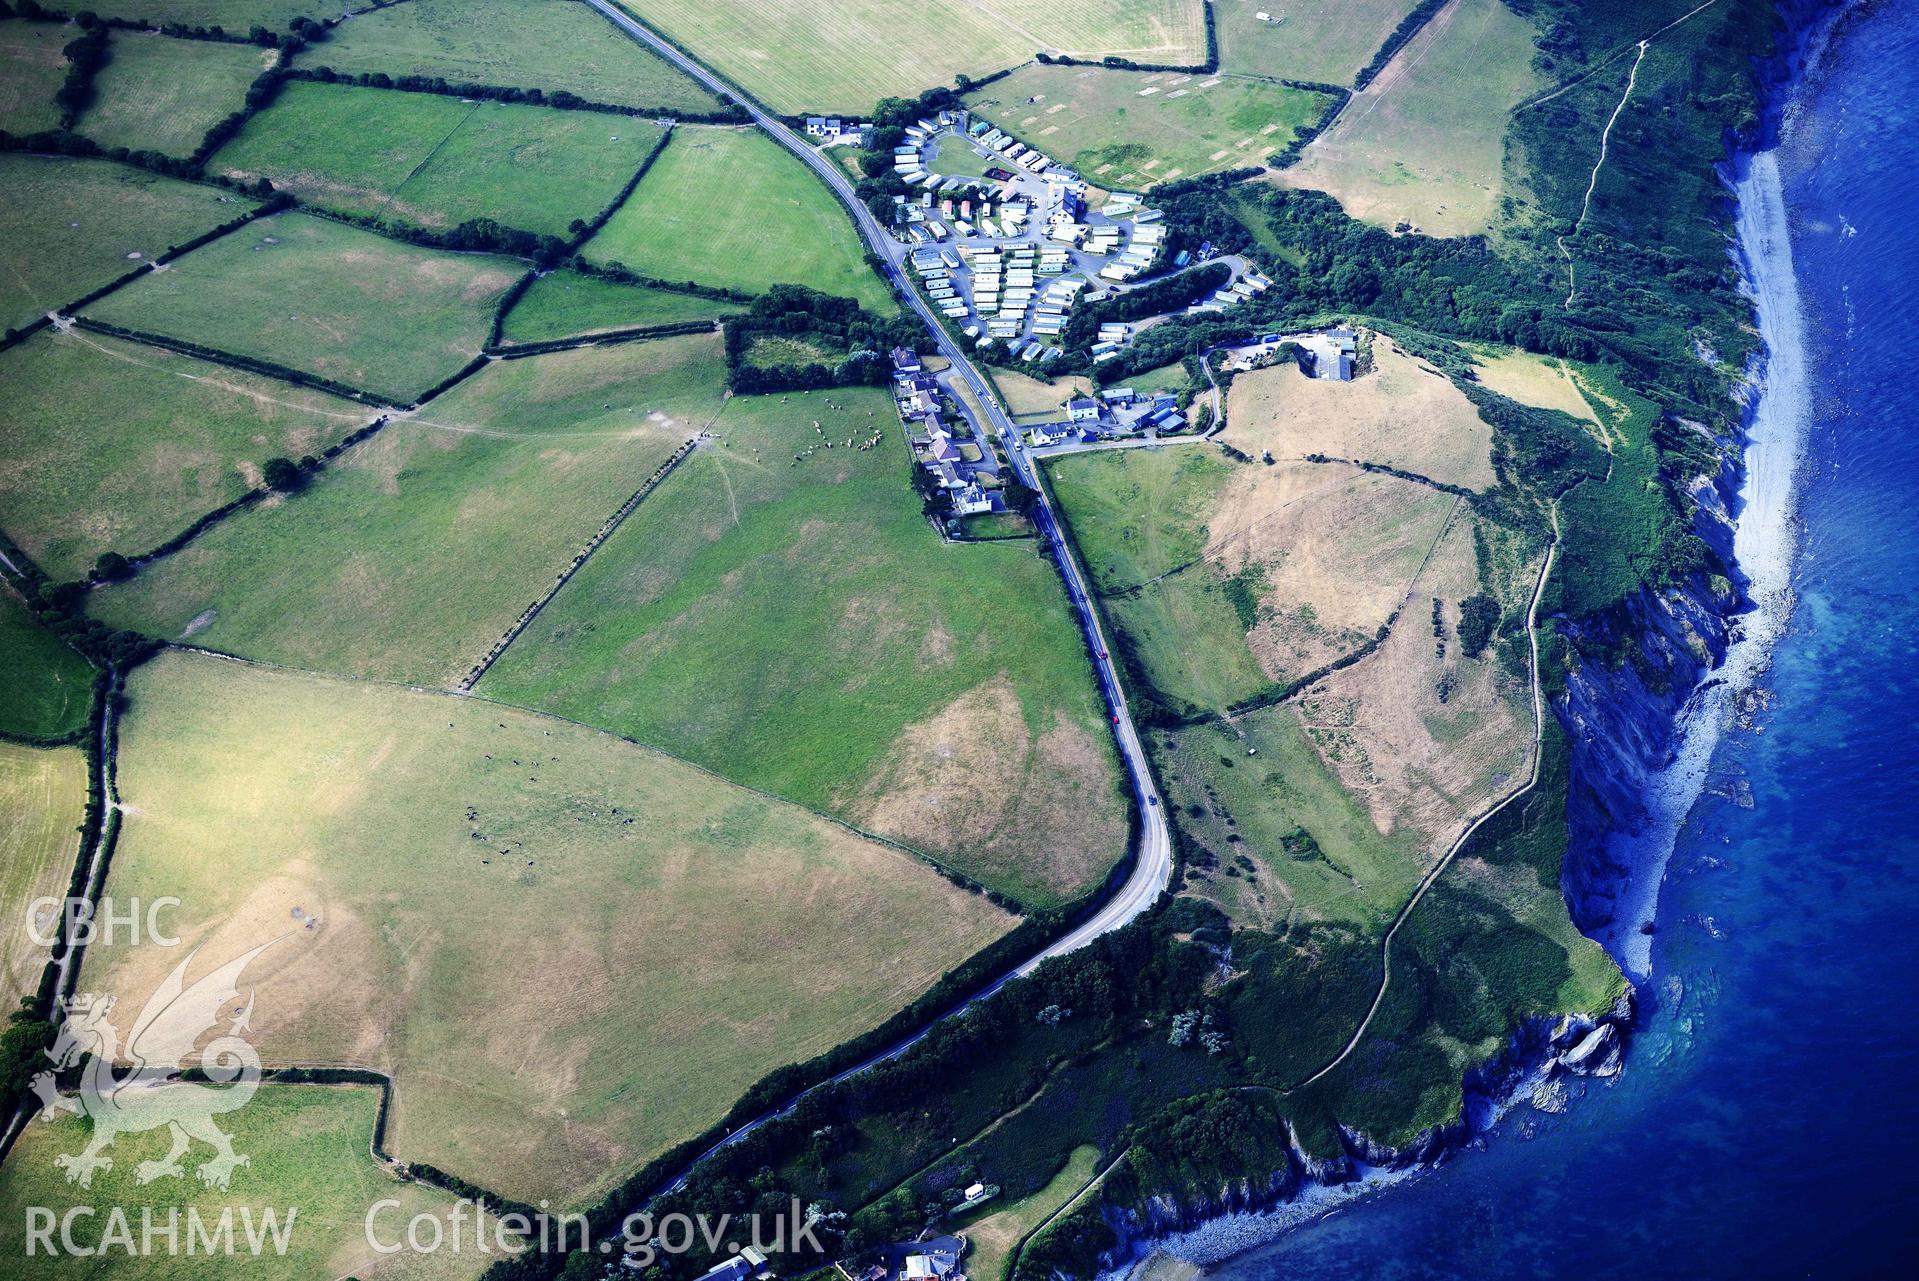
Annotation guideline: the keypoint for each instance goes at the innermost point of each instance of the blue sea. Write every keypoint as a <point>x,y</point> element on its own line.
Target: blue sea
<point>1767,1120</point>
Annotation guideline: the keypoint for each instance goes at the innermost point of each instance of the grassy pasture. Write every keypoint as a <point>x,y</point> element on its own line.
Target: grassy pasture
<point>326,298</point>
<point>1423,737</point>
<point>31,70</point>
<point>998,1228</point>
<point>524,44</point>
<point>1403,414</point>
<point>570,951</point>
<point>1143,515</point>
<point>69,226</point>
<point>727,207</point>
<point>1424,143</point>
<point>796,626</point>
<point>1244,790</point>
<point>113,446</point>
<point>163,95</point>
<point>43,793</point>
<point>437,161</point>
<point>1531,379</point>
<point>308,1150</point>
<point>1131,129</point>
<point>566,304</point>
<point>1036,399</point>
<point>47,686</point>
<point>1328,41</point>
<point>231,15</point>
<point>417,548</point>
<point>801,55</point>
<point>1227,582</point>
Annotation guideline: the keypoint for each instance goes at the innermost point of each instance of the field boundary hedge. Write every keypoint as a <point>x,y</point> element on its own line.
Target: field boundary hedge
<point>618,273</point>
<point>557,100</point>
<point>250,364</point>
<point>1288,156</point>
<point>1409,26</point>
<point>605,531</point>
<point>610,337</point>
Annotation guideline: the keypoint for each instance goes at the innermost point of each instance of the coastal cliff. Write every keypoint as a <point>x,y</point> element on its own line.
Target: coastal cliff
<point>1542,1064</point>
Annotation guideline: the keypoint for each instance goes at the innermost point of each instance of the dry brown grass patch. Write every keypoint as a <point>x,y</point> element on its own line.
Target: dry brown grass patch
<point>1416,760</point>
<point>974,781</point>
<point>1402,414</point>
<point>1337,549</point>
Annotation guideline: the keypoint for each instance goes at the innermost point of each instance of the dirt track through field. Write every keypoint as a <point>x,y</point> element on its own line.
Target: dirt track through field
<point>1432,877</point>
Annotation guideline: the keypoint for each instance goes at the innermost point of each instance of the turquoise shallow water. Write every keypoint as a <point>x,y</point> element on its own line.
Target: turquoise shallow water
<point>1765,1122</point>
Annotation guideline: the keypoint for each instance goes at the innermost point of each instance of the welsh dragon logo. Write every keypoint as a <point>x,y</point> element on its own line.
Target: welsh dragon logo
<point>152,1094</point>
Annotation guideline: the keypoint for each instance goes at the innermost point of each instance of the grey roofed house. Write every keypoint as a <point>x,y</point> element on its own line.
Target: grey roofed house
<point>1082,410</point>
<point>943,449</point>
<point>919,382</point>
<point>906,360</point>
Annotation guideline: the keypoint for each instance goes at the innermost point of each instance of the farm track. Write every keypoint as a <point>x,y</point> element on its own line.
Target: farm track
<point>1485,816</point>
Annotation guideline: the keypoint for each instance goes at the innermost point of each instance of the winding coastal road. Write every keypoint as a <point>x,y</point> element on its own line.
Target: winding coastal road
<point>1153,862</point>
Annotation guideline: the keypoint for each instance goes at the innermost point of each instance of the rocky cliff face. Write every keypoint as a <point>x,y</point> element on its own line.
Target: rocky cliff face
<point>1541,1062</point>
<point>1627,721</point>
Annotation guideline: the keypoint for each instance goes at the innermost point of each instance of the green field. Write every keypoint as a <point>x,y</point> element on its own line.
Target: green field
<point>326,299</point>
<point>992,1234</point>
<point>43,794</point>
<point>550,45</point>
<point>1425,143</point>
<point>163,95</point>
<point>114,446</point>
<point>1131,129</point>
<point>47,686</point>
<point>728,207</point>
<point>69,226</point>
<point>564,304</point>
<point>796,626</point>
<point>416,549</point>
<point>956,158</point>
<point>232,15</point>
<point>812,55</point>
<point>436,161</point>
<point>1139,519</point>
<point>31,69</point>
<point>307,1147</point>
<point>569,951</point>
<point>1327,41</point>
<point>1233,803</point>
